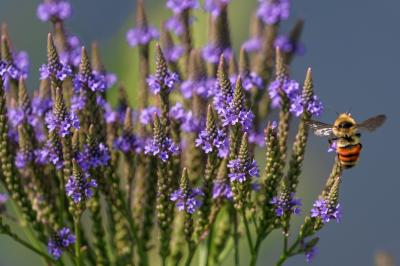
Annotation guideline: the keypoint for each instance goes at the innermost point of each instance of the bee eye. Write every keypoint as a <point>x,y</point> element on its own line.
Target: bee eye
<point>345,125</point>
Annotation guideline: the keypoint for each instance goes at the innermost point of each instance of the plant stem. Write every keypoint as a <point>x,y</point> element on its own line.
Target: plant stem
<point>191,249</point>
<point>248,233</point>
<point>77,242</point>
<point>289,253</point>
<point>209,241</point>
<point>235,236</point>
<point>254,254</point>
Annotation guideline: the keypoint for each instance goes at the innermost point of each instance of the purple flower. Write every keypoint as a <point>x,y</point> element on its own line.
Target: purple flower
<point>95,81</point>
<point>147,115</point>
<point>272,12</point>
<point>48,155</point>
<point>175,25</point>
<point>205,88</point>
<point>310,254</point>
<point>62,125</point>
<point>222,190</point>
<point>249,81</point>
<point>21,62</point>
<point>91,159</point>
<point>16,116</point>
<point>315,106</point>
<point>177,112</point>
<point>290,87</point>
<point>242,171</point>
<point>54,10</point>
<point>77,103</point>
<point>177,6</point>
<point>287,46</point>
<point>325,211</point>
<point>73,55</point>
<point>257,138</point>
<point>189,202</point>
<point>252,45</point>
<point>62,240</point>
<point>16,69</point>
<point>233,117</point>
<point>81,188</point>
<point>41,105</point>
<point>191,124</point>
<point>211,53</point>
<point>211,143</point>
<point>173,53</point>
<point>214,6</point>
<point>141,35</point>
<point>61,71</point>
<point>162,150</point>
<point>332,146</point>
<point>22,159</point>
<point>286,204</point>
<point>156,84</point>
<point>128,143</point>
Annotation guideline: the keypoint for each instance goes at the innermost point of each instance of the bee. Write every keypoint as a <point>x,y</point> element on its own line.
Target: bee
<point>344,135</point>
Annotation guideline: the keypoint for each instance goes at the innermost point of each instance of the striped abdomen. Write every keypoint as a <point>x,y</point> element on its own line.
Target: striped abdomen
<point>348,155</point>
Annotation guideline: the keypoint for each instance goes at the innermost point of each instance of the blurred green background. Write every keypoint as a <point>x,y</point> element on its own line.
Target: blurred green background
<point>353,48</point>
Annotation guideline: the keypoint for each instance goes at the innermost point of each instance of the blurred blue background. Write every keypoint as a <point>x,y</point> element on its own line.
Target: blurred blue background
<point>353,49</point>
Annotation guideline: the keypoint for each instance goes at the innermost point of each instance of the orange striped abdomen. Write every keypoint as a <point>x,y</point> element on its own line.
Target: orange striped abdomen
<point>348,155</point>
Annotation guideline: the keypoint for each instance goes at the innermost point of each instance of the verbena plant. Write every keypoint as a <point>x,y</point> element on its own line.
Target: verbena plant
<point>174,174</point>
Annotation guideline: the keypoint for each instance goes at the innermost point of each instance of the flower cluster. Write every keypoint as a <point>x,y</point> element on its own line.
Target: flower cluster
<point>16,69</point>
<point>90,159</point>
<point>214,6</point>
<point>54,10</point>
<point>142,35</point>
<point>61,241</point>
<point>97,82</point>
<point>241,172</point>
<point>80,188</point>
<point>156,83</point>
<point>212,52</point>
<point>190,202</point>
<point>163,150</point>
<point>272,12</point>
<point>292,91</point>
<point>321,209</point>
<point>63,125</point>
<point>60,71</point>
<point>286,204</point>
<point>222,190</point>
<point>211,143</point>
<point>205,88</point>
<point>287,46</point>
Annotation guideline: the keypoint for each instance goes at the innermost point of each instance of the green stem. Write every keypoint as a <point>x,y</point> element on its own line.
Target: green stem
<point>254,254</point>
<point>191,252</point>
<point>78,257</point>
<point>62,198</point>
<point>248,233</point>
<point>203,253</point>
<point>236,237</point>
<point>289,253</point>
<point>209,242</point>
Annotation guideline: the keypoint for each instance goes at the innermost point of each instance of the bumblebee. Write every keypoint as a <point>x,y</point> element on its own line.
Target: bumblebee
<point>344,135</point>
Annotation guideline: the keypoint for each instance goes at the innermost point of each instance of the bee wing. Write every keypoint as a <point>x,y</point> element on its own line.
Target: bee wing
<point>372,123</point>
<point>320,128</point>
